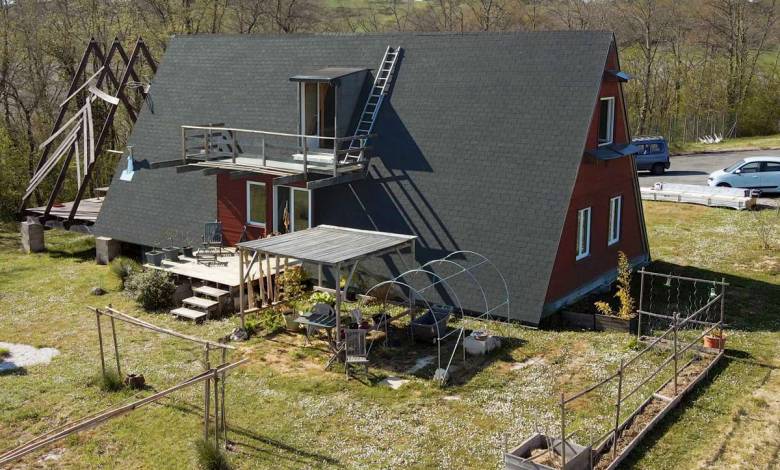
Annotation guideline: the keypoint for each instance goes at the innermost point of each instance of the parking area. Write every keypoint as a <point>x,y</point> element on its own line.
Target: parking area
<point>693,169</point>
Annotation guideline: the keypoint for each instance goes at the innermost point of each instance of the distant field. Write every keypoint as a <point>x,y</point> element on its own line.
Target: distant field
<point>742,143</point>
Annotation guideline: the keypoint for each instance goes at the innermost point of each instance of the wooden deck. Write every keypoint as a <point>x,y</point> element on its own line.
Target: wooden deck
<point>221,275</point>
<point>88,210</point>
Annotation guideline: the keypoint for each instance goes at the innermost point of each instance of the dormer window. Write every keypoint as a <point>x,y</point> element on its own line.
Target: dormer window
<point>328,98</point>
<point>606,120</point>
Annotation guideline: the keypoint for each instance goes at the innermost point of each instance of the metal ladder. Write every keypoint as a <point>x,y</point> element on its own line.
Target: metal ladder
<point>377,94</point>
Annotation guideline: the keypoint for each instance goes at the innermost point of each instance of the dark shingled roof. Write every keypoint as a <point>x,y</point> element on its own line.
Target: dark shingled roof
<point>479,143</point>
<point>328,74</point>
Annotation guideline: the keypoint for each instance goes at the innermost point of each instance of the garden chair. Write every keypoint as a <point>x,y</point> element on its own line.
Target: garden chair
<point>212,236</point>
<point>355,351</point>
<point>319,314</point>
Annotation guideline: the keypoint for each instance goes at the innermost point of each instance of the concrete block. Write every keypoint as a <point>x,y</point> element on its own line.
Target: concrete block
<point>106,249</point>
<point>32,237</point>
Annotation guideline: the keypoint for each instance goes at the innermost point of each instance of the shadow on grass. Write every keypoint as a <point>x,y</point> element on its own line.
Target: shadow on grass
<point>14,371</point>
<point>250,442</point>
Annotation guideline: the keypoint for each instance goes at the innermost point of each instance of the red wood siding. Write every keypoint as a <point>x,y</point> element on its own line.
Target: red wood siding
<point>597,182</point>
<point>232,210</point>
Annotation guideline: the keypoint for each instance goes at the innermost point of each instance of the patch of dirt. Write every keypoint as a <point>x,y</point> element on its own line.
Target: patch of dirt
<point>551,459</point>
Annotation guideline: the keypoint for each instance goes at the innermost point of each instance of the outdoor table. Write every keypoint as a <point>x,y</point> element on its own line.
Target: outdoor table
<point>326,322</point>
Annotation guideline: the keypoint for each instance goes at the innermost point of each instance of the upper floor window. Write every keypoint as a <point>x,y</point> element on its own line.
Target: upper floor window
<point>615,206</point>
<point>606,120</point>
<point>583,233</point>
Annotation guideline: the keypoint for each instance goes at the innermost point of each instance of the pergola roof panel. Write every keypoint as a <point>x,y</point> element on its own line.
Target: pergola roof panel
<point>328,244</point>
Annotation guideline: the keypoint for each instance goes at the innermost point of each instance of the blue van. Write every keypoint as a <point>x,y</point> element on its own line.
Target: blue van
<point>653,155</point>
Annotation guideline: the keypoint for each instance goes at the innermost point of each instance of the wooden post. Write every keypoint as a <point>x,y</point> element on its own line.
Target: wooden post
<point>100,340</point>
<point>305,156</point>
<point>269,280</point>
<point>183,144</point>
<point>338,304</point>
<point>262,145</point>
<point>241,286</point>
<point>250,283</point>
<point>563,433</point>
<point>116,347</point>
<point>260,278</point>
<point>276,279</point>
<point>676,315</point>
<point>319,275</point>
<point>617,410</point>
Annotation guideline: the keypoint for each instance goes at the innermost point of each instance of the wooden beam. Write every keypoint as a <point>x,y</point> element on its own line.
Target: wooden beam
<point>289,179</point>
<point>58,184</point>
<point>334,180</point>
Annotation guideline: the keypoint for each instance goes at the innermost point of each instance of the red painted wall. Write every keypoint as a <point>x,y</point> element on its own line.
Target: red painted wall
<point>597,182</point>
<point>231,207</point>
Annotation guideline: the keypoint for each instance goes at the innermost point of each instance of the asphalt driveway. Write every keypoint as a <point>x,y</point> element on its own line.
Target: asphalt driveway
<point>693,169</point>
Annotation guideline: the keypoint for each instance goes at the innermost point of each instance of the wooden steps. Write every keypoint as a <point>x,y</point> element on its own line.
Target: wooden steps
<point>200,303</point>
<point>188,313</point>
<point>209,291</point>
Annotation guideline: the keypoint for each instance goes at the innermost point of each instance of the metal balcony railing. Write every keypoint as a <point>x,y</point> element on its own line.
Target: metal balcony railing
<point>273,150</point>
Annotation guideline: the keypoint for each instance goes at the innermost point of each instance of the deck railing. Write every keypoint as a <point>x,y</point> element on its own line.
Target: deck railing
<point>279,150</point>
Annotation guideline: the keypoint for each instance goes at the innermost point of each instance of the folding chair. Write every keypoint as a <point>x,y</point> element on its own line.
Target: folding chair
<point>355,349</point>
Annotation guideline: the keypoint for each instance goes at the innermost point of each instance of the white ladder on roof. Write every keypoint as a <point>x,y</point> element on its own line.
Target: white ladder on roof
<point>377,94</point>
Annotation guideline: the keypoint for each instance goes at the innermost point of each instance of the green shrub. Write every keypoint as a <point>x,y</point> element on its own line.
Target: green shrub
<point>210,457</point>
<point>4,352</point>
<point>267,321</point>
<point>153,289</point>
<point>123,268</point>
<point>322,297</point>
<point>293,282</point>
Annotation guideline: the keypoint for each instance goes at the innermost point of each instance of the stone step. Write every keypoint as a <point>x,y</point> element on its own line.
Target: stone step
<point>200,302</point>
<point>209,291</point>
<point>188,313</point>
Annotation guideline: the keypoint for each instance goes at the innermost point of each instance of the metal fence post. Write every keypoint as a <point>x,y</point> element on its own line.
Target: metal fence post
<point>183,144</point>
<point>722,309</point>
<point>305,156</point>
<point>676,316</point>
<point>563,432</point>
<point>235,147</point>
<point>641,297</point>
<point>617,410</point>
<point>262,144</point>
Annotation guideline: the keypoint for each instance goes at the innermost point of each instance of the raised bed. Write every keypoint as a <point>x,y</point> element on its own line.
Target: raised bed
<point>535,454</point>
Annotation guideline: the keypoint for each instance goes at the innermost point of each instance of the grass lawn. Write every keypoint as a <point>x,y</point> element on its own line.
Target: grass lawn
<point>286,412</point>
<point>740,143</point>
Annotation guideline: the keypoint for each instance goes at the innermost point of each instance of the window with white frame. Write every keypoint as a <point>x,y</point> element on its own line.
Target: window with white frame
<point>606,120</point>
<point>583,233</point>
<point>615,209</point>
<point>256,203</point>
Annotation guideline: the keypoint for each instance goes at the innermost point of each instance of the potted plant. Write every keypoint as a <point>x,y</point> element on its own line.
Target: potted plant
<point>716,339</point>
<point>135,381</point>
<point>288,312</point>
<point>624,318</point>
<point>171,252</point>
<point>154,257</point>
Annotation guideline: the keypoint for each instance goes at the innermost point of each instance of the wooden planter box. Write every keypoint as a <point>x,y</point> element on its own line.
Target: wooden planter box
<point>596,322</point>
<point>577,456</point>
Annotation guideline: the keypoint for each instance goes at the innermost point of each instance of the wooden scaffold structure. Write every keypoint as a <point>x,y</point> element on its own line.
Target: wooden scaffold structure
<point>76,136</point>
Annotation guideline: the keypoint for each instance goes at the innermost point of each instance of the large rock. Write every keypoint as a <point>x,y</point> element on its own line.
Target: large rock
<point>106,249</point>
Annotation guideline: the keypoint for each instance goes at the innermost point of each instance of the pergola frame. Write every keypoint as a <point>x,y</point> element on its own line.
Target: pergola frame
<point>337,248</point>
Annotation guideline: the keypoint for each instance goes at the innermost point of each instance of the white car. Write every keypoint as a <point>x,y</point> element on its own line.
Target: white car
<point>762,173</point>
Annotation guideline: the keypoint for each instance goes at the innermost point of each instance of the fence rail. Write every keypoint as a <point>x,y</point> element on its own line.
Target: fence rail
<point>622,395</point>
